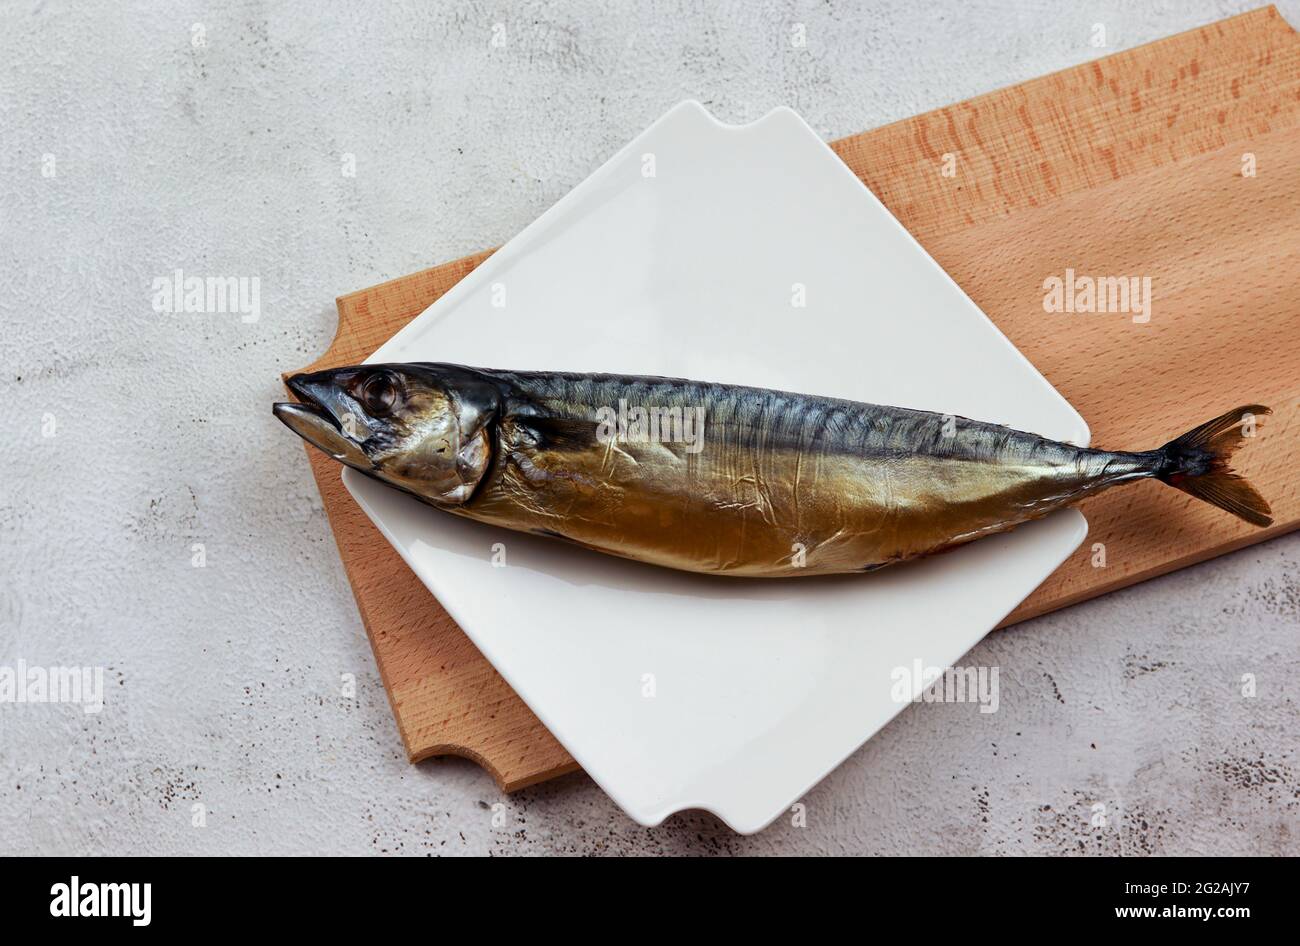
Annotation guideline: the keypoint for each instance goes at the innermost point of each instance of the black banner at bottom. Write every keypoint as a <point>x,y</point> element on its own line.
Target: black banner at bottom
<point>209,895</point>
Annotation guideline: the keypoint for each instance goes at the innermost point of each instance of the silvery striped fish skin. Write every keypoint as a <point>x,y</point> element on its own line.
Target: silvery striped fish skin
<point>763,483</point>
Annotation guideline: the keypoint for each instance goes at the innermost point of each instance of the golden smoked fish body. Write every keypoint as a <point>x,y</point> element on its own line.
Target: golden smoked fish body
<point>722,479</point>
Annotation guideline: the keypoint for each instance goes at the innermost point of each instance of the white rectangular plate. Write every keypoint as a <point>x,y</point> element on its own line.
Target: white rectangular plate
<point>688,254</point>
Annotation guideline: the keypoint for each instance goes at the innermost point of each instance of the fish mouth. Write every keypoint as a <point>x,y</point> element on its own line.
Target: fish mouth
<point>317,425</point>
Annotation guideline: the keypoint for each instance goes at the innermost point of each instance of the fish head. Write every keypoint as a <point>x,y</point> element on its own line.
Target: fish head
<point>424,428</point>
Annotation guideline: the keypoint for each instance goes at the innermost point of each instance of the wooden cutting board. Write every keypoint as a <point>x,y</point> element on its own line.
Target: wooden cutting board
<point>1178,161</point>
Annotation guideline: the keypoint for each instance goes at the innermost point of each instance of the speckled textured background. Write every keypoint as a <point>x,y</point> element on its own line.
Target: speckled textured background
<point>223,682</point>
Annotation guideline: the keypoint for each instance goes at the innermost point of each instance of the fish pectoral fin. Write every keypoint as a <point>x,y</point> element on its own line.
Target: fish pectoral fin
<point>559,433</point>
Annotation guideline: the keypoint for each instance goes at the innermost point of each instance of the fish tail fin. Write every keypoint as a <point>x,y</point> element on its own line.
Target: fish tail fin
<point>1197,464</point>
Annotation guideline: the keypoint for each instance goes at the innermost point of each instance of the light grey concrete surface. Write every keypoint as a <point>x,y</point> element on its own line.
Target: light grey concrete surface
<point>128,151</point>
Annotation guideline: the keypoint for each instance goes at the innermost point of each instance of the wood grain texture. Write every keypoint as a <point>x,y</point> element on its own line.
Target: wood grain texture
<point>1127,166</point>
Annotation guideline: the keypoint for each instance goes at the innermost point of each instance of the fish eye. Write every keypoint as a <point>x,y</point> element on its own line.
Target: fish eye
<point>379,393</point>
